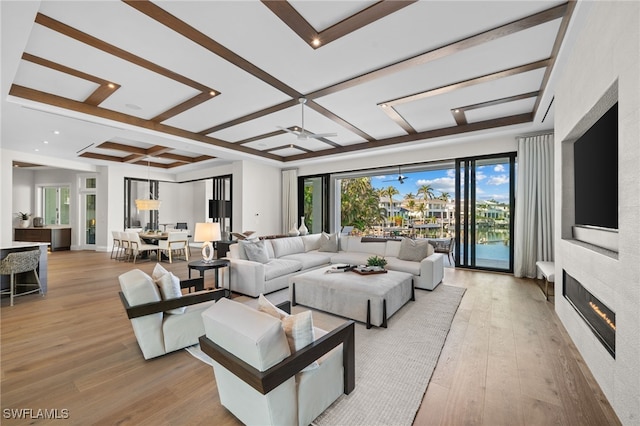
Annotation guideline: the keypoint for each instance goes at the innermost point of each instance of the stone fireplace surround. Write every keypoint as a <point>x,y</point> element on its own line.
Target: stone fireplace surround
<point>604,59</point>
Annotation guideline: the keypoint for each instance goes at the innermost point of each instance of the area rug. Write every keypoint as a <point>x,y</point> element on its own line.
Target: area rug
<point>393,365</point>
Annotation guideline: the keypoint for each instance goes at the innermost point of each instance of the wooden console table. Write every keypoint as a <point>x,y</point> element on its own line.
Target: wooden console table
<point>59,238</point>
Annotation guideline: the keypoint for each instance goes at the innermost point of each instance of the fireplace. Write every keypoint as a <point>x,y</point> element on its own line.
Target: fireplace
<point>596,314</point>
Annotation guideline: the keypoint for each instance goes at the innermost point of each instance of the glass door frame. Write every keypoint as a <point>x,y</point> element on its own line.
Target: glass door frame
<point>324,214</point>
<point>84,192</point>
<point>466,190</point>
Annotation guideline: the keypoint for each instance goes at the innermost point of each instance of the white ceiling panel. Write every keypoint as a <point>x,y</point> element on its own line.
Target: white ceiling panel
<point>51,81</point>
<point>256,62</point>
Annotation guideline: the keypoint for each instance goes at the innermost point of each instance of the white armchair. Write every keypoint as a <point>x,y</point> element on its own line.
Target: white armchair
<point>257,377</point>
<point>157,331</point>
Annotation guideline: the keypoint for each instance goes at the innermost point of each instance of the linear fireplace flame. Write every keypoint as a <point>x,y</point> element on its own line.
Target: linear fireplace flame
<point>600,319</point>
<point>602,315</point>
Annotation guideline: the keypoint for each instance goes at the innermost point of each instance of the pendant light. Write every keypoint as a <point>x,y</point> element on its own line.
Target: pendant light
<point>150,203</point>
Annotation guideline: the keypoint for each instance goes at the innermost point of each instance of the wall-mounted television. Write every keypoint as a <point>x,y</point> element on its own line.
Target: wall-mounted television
<point>219,209</point>
<point>595,156</point>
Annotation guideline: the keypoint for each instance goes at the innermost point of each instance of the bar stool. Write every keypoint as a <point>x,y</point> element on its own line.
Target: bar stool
<point>18,262</point>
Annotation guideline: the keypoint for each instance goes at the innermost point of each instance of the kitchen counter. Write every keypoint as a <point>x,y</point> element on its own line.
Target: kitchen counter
<point>59,237</point>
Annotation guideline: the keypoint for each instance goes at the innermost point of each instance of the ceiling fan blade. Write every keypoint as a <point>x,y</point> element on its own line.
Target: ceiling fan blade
<point>321,135</point>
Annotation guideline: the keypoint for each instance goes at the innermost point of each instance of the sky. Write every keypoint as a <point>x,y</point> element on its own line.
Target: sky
<point>492,182</point>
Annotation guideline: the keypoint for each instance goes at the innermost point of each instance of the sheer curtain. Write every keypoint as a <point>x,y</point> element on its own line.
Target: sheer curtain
<point>289,199</point>
<point>534,204</point>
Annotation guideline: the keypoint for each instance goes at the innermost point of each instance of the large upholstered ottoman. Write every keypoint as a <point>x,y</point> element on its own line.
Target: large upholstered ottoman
<point>367,298</point>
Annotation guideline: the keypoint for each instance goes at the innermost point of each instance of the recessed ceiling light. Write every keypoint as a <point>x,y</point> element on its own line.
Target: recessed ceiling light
<point>456,110</point>
<point>36,149</point>
<point>212,93</point>
<point>56,132</point>
<point>315,42</point>
<point>111,86</point>
<point>133,106</point>
<point>45,141</point>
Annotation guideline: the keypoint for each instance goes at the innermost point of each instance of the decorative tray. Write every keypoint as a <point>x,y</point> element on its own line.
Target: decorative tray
<point>369,270</point>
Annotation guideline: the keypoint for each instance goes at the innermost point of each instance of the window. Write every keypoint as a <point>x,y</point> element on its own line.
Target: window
<point>55,202</point>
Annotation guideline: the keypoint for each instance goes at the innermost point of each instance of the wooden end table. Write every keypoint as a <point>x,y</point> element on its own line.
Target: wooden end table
<point>201,265</point>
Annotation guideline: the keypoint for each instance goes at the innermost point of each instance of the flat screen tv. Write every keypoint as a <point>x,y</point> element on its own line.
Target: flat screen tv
<point>595,156</point>
<point>219,209</point>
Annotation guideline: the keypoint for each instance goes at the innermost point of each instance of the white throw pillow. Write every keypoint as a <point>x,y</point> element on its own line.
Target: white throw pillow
<point>329,243</point>
<point>414,250</point>
<point>169,286</point>
<point>158,271</point>
<point>255,250</point>
<point>298,328</point>
<point>264,305</point>
<point>299,331</point>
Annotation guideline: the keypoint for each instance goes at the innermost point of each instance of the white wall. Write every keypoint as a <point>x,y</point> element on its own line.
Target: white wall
<point>23,197</point>
<point>607,49</point>
<point>258,187</point>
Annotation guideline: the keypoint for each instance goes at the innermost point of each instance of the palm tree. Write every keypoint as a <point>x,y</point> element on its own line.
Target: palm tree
<point>409,196</point>
<point>360,203</point>
<point>444,196</point>
<point>390,191</point>
<point>426,191</point>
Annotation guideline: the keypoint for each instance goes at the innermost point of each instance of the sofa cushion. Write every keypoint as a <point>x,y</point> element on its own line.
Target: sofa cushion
<point>285,246</point>
<point>408,266</point>
<point>355,244</point>
<point>328,242</point>
<point>392,249</point>
<point>310,259</point>
<point>414,250</point>
<point>351,258</point>
<point>311,241</point>
<point>255,250</point>
<point>278,267</point>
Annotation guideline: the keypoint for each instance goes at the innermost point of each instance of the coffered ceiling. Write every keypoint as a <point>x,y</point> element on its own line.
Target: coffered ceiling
<point>192,83</point>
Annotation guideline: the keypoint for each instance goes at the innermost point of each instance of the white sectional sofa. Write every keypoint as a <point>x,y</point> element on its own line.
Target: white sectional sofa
<point>289,256</point>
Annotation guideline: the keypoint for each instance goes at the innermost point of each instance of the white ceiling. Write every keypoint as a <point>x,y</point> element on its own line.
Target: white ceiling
<point>165,53</point>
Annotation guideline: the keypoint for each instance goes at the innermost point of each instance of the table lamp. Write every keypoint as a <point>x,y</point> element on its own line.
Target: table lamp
<point>205,233</point>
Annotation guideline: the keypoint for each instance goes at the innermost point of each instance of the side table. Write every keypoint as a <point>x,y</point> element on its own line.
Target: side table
<point>202,266</point>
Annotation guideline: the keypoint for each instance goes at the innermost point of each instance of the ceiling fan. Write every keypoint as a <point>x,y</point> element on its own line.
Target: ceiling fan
<point>400,178</point>
<point>302,134</point>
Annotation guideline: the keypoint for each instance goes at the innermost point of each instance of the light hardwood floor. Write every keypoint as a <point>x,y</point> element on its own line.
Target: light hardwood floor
<point>507,359</point>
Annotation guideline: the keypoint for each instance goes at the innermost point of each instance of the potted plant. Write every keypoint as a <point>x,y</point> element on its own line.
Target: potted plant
<point>377,261</point>
<point>24,217</point>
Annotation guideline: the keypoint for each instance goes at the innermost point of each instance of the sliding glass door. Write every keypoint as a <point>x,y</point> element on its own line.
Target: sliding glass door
<point>313,202</point>
<point>484,228</point>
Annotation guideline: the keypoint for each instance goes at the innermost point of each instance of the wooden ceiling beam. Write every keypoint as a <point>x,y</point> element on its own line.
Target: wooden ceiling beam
<point>70,104</point>
<point>429,134</point>
<point>290,16</point>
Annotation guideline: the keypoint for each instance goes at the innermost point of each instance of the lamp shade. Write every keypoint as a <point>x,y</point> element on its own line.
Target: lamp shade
<point>148,204</point>
<point>207,231</point>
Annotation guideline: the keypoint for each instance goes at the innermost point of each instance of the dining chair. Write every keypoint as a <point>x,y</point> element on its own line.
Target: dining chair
<point>126,246</point>
<point>117,244</point>
<point>136,246</point>
<point>176,241</point>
